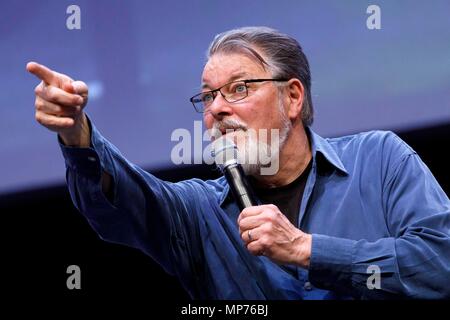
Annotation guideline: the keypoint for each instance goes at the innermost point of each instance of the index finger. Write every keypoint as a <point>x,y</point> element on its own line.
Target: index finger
<point>42,72</point>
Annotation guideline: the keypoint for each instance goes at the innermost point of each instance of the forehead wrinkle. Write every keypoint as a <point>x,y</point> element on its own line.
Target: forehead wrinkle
<point>240,64</point>
<point>232,77</point>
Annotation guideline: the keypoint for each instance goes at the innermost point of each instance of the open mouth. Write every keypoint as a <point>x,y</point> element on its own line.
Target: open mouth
<point>224,131</point>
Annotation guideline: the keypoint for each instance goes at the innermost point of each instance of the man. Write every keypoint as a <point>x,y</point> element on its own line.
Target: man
<point>359,216</point>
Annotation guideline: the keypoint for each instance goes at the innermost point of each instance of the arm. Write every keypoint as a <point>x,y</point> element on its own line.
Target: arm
<point>414,261</point>
<point>142,211</point>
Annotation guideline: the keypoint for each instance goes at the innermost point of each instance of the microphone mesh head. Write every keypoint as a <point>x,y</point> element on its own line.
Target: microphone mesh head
<point>224,152</point>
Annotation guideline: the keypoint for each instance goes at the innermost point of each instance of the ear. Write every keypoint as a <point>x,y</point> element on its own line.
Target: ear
<point>295,96</point>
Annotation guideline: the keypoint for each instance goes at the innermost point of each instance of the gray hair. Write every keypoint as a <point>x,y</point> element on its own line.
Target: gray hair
<point>285,57</point>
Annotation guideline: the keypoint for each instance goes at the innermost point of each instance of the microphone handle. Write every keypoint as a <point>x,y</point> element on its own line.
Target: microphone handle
<point>242,192</point>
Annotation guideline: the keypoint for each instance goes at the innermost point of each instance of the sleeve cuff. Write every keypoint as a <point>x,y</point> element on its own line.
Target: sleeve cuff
<point>87,161</point>
<point>331,261</point>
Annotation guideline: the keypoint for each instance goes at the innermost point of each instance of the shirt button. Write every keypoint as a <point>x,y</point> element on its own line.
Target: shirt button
<point>92,159</point>
<point>307,286</point>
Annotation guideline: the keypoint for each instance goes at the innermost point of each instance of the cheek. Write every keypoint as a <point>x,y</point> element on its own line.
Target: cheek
<point>208,120</point>
<point>259,113</point>
<point>248,109</point>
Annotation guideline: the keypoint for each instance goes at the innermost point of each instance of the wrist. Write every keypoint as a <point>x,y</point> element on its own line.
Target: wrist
<point>304,250</point>
<point>79,136</point>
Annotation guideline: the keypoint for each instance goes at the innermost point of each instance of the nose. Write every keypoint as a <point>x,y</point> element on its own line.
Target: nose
<point>220,107</point>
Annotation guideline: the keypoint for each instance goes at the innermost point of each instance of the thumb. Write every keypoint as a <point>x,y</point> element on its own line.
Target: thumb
<point>76,87</point>
<point>80,88</point>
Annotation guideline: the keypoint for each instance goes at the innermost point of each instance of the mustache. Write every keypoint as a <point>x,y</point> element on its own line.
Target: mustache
<point>228,124</point>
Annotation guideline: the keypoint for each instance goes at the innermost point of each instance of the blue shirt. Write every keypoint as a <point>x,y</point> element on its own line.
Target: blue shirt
<point>373,208</point>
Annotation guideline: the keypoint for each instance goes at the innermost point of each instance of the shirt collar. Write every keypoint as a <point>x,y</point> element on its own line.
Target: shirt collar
<point>318,144</point>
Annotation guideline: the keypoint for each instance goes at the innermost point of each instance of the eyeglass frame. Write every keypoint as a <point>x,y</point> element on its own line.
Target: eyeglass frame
<point>214,92</point>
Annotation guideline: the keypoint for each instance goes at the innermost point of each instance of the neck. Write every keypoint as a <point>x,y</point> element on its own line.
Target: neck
<point>294,157</point>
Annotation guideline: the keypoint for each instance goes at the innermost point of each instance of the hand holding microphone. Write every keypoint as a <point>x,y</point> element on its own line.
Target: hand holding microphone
<point>264,229</point>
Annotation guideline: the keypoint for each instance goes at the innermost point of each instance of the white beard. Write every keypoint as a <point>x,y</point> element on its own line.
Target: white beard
<point>256,155</point>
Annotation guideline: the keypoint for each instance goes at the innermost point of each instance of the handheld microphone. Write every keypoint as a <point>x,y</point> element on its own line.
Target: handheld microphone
<point>225,155</point>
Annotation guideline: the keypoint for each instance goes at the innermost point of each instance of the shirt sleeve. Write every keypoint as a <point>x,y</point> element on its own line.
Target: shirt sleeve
<point>414,262</point>
<point>145,212</point>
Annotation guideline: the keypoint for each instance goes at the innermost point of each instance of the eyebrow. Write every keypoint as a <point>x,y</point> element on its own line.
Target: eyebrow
<point>232,78</point>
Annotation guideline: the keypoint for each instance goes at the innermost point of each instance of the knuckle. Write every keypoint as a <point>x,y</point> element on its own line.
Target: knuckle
<point>38,89</point>
<point>268,227</point>
<point>265,241</point>
<point>268,242</point>
<point>38,117</point>
<point>271,215</point>
<point>50,95</point>
<point>52,123</point>
<point>59,109</point>
<point>39,104</point>
<point>280,216</point>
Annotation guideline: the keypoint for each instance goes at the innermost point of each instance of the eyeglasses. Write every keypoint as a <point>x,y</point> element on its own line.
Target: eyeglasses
<point>232,92</point>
